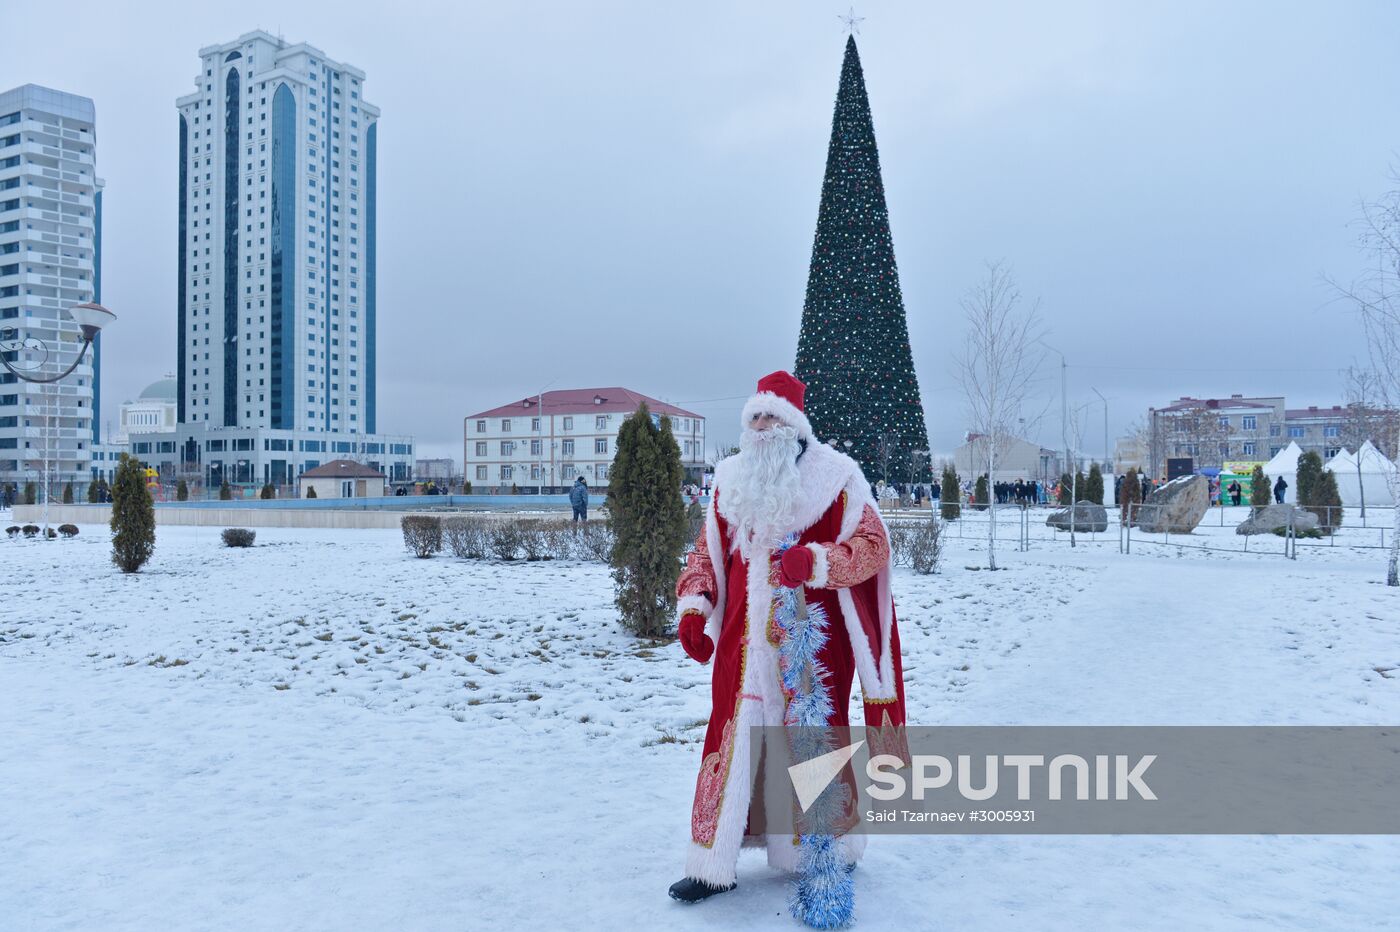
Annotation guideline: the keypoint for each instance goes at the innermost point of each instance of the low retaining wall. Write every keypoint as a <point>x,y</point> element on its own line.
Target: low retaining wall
<point>217,517</point>
<point>401,503</point>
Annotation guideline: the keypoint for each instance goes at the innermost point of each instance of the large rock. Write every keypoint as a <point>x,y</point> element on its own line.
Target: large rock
<point>1276,518</point>
<point>1176,507</point>
<point>1087,517</point>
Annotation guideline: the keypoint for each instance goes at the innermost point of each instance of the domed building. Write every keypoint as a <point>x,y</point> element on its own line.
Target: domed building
<point>153,412</point>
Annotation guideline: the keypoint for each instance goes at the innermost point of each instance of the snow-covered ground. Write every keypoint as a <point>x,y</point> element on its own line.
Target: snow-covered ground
<point>325,733</point>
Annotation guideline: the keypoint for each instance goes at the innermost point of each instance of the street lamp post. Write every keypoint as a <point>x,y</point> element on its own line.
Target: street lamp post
<point>90,318</point>
<point>1064,433</point>
<point>1106,461</point>
<point>542,481</point>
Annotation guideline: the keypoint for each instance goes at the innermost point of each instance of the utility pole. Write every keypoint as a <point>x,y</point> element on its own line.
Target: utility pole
<point>539,488</point>
<point>1069,455</point>
<point>1152,452</point>
<point>1106,462</point>
<point>1064,435</point>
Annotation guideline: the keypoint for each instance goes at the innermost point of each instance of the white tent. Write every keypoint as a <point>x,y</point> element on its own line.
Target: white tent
<point>1343,460</point>
<point>1371,479</point>
<point>1285,464</point>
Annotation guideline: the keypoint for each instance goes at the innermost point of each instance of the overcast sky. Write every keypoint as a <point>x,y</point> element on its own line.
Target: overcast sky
<point>576,195</point>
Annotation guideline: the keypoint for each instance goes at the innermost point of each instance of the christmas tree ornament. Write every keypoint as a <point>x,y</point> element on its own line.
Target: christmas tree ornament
<point>823,893</point>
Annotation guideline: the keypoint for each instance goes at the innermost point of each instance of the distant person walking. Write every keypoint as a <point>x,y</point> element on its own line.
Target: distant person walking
<point>578,497</point>
<point>1234,490</point>
<point>1280,490</point>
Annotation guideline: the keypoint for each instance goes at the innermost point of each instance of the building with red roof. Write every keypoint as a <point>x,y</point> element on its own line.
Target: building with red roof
<point>544,442</point>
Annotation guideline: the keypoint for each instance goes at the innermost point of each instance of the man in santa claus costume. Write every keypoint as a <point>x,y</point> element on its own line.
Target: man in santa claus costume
<point>783,481</point>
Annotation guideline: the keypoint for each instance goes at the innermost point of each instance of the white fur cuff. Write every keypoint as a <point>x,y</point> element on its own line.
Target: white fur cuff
<point>694,603</point>
<point>821,566</point>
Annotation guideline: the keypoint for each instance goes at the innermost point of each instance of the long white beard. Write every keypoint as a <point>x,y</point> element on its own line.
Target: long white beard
<point>764,487</point>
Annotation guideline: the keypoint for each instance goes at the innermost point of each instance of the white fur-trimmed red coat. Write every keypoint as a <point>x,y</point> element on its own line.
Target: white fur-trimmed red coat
<point>839,522</point>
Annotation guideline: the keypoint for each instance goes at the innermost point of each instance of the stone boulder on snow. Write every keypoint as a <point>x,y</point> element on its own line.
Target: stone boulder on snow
<point>1272,518</point>
<point>1176,507</point>
<point>1087,517</point>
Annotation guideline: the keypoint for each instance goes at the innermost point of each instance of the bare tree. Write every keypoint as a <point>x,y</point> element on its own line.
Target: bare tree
<point>998,368</point>
<point>889,443</point>
<point>1362,420</point>
<point>1192,427</point>
<point>1138,436</point>
<point>1376,294</point>
<point>722,452</point>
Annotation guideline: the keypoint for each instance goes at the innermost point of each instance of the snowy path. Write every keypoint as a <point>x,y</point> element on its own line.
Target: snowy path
<point>322,733</point>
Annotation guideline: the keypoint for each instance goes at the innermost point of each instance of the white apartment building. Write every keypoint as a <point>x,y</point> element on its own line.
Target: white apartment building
<point>276,303</point>
<point>542,443</point>
<point>50,260</point>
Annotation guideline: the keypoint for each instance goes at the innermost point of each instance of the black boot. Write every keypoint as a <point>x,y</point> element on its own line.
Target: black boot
<point>690,890</point>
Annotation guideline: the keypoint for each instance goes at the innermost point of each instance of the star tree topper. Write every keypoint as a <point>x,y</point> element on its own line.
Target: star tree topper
<point>851,20</point>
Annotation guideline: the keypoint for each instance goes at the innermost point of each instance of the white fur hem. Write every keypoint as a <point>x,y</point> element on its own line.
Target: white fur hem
<point>703,865</point>
<point>821,566</point>
<point>876,671</point>
<point>769,403</point>
<point>715,865</point>
<point>782,855</point>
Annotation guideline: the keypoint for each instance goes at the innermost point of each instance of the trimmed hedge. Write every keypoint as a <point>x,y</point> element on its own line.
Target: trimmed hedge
<point>473,537</point>
<point>422,534</point>
<point>917,545</point>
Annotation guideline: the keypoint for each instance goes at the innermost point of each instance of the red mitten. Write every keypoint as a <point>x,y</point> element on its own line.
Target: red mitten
<point>694,640</point>
<point>797,566</point>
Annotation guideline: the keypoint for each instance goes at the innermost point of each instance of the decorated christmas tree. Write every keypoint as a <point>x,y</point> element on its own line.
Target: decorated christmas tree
<point>853,351</point>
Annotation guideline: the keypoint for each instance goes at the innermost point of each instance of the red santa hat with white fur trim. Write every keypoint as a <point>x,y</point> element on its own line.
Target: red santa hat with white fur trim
<point>781,395</point>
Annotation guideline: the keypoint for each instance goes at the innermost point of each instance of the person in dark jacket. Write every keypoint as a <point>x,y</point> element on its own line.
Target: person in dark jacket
<point>578,497</point>
<point>1280,489</point>
<point>1234,490</point>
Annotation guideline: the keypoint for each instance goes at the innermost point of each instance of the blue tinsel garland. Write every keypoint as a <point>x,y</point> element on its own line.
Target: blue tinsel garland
<point>823,895</point>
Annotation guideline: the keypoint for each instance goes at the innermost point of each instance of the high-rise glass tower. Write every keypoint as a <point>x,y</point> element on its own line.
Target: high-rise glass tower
<point>276,306</point>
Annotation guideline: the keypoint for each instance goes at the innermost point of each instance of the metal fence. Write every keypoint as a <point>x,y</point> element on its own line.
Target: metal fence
<point>1336,527</point>
<point>1024,527</point>
<point>1015,524</point>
